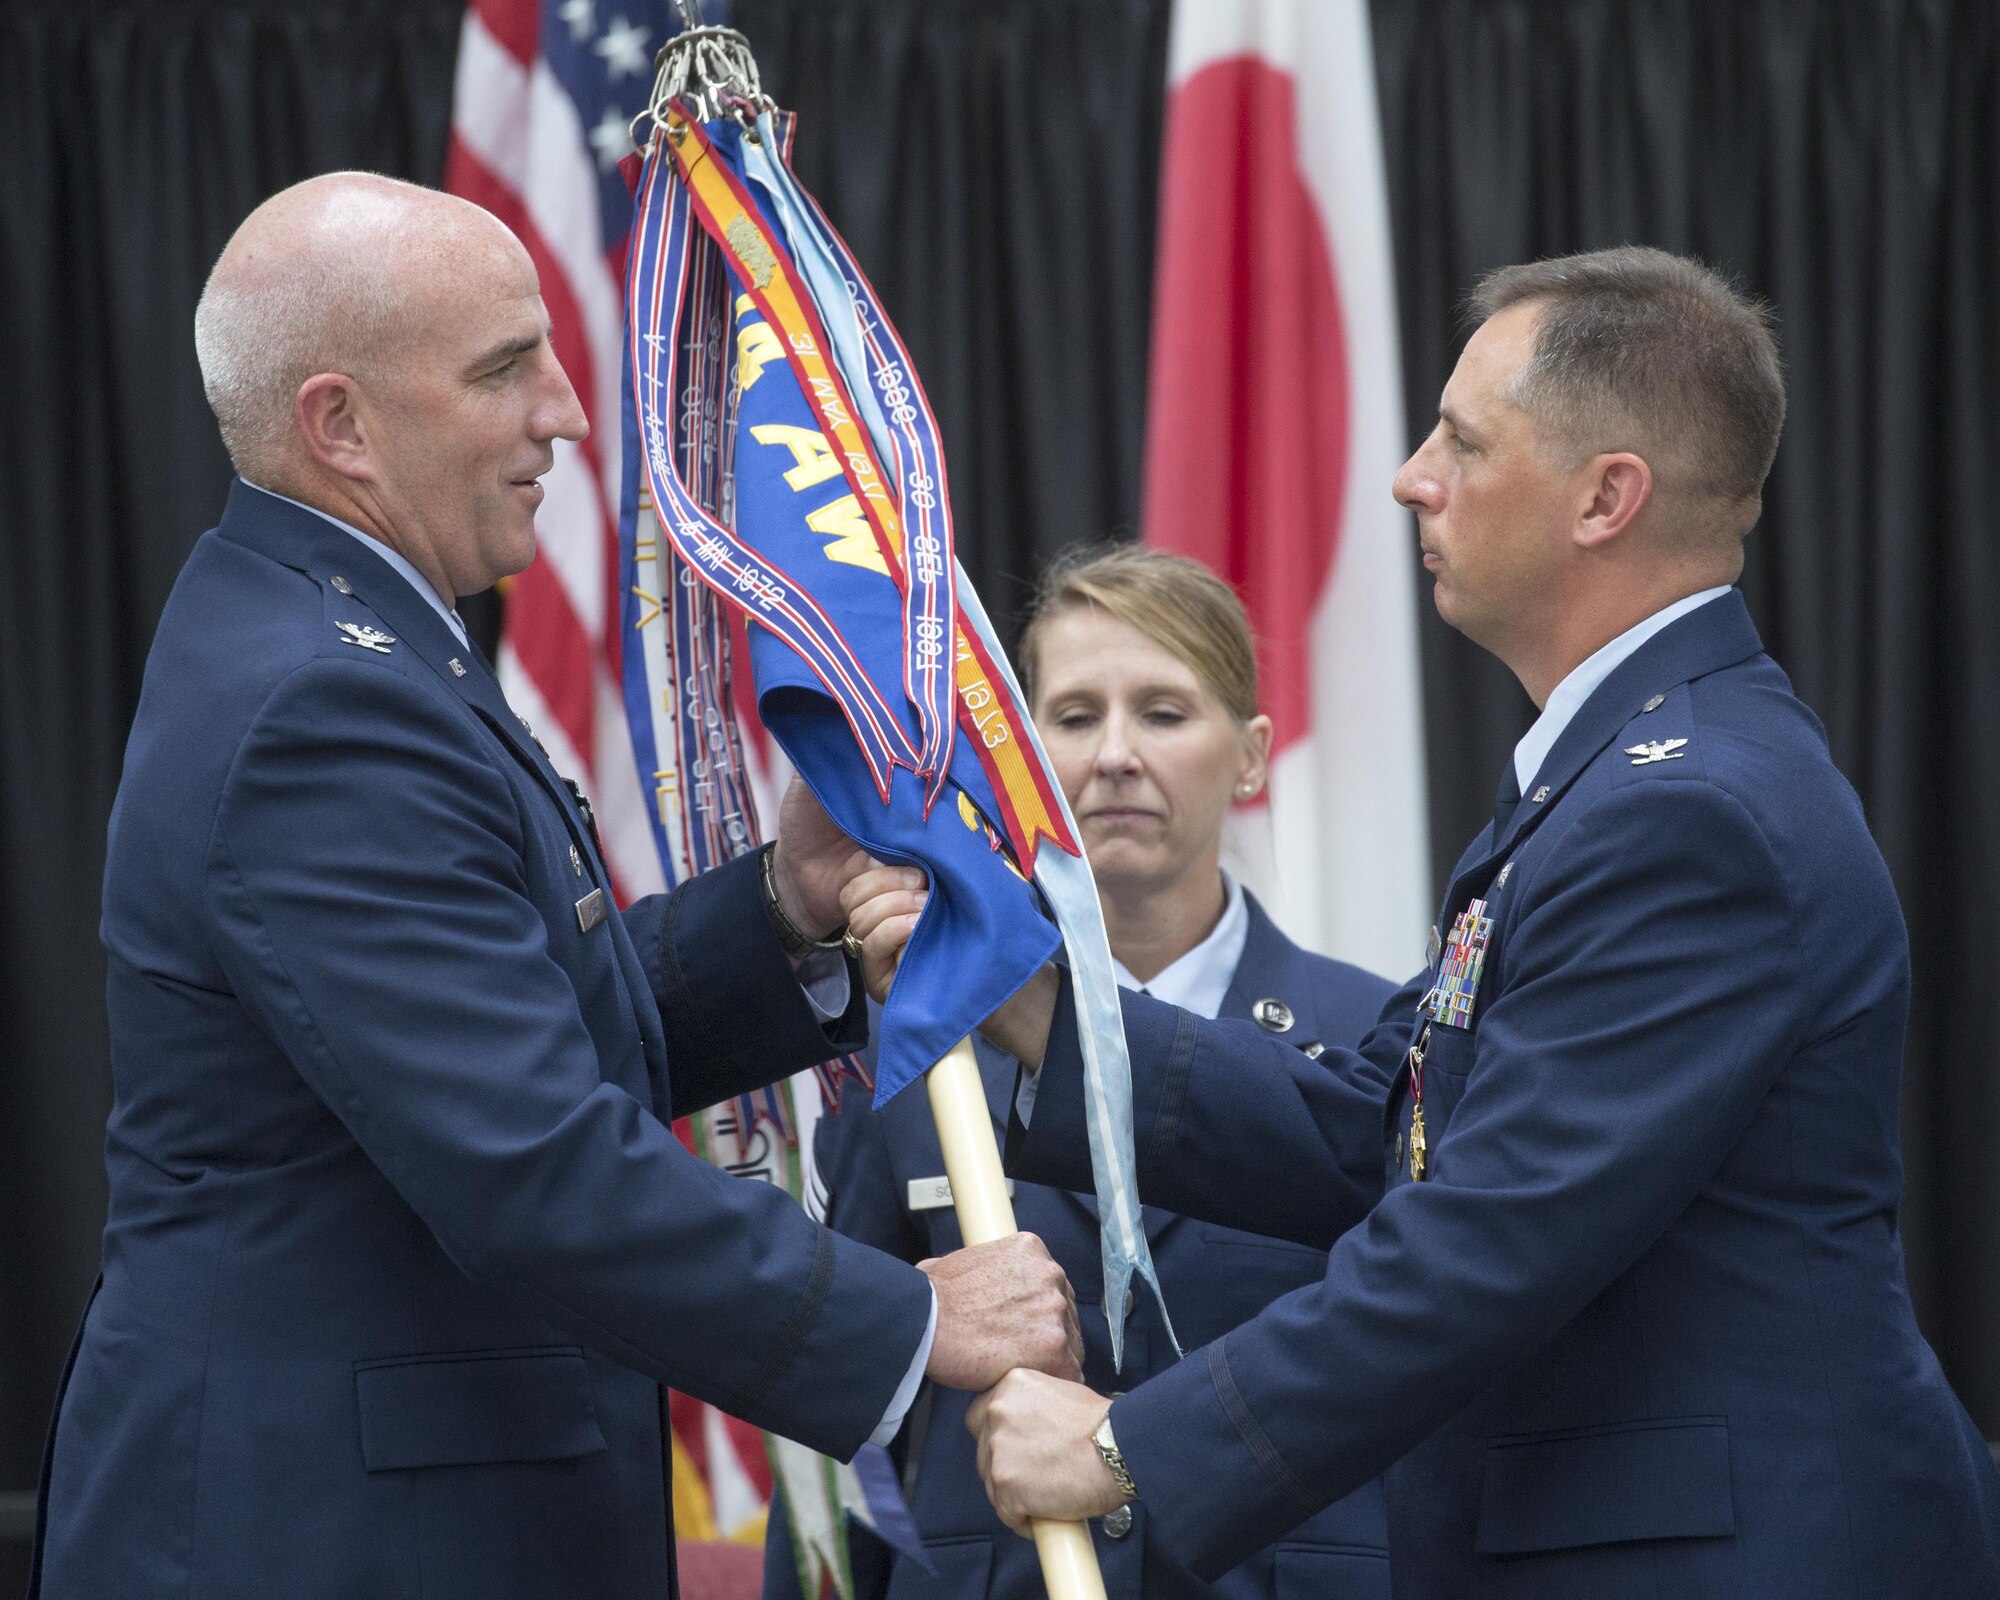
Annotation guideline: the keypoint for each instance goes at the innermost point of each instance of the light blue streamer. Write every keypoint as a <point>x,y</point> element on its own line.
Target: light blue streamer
<point>1100,1025</point>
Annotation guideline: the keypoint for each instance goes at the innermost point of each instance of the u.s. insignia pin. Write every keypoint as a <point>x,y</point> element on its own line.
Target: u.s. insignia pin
<point>367,638</point>
<point>1273,1016</point>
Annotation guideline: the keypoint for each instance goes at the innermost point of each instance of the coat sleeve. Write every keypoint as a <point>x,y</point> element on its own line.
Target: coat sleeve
<point>371,902</point>
<point>1656,985</point>
<point>1304,1160</point>
<point>851,1158</point>
<point>734,1013</point>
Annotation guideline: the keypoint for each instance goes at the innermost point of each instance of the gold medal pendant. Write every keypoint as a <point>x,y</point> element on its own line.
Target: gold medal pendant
<point>1416,1069</point>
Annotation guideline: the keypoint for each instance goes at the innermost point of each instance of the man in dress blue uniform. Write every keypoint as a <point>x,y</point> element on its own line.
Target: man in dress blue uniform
<point>401,1247</point>
<point>1625,1305</point>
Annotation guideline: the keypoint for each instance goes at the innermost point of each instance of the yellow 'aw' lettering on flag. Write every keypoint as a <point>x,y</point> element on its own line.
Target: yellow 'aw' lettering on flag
<point>846,524</point>
<point>815,459</point>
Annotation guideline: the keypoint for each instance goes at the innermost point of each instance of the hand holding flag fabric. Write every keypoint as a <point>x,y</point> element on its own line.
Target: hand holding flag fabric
<point>883,904</point>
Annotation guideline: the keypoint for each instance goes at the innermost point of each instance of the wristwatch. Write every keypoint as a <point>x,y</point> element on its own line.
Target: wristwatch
<point>796,940</point>
<point>1107,1447</point>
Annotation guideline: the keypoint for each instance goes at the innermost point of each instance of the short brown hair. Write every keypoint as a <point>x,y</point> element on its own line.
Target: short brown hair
<point>1174,601</point>
<point>1657,353</point>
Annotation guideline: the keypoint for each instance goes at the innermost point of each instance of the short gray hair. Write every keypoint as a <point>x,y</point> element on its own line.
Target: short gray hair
<point>257,343</point>
<point>326,276</point>
<point>1638,349</point>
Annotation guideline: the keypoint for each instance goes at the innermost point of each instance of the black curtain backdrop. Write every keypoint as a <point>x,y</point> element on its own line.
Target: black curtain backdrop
<point>992,162</point>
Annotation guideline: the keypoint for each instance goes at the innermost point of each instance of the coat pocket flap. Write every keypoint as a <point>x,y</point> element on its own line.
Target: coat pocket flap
<point>476,1406</point>
<point>1644,1480</point>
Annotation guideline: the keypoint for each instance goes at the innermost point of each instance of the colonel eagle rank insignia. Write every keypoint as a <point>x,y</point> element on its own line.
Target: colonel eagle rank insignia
<point>1644,755</point>
<point>367,638</point>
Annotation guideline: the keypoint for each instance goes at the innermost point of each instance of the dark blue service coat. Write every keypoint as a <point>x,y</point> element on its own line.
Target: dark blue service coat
<point>1643,1329</point>
<point>1214,1278</point>
<point>400,1245</point>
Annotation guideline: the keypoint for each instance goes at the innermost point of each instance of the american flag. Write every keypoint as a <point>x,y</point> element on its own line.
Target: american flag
<point>544,99</point>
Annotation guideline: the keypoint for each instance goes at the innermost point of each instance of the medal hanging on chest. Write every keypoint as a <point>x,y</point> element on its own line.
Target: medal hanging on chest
<point>1418,1146</point>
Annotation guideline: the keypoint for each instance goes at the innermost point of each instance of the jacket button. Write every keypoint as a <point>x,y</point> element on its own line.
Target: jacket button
<point>1118,1523</point>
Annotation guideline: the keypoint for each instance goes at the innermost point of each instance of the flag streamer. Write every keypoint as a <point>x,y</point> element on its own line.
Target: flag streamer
<point>853,418</point>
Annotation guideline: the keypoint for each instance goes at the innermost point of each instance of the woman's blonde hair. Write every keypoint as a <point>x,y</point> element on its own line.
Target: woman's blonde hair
<point>1174,601</point>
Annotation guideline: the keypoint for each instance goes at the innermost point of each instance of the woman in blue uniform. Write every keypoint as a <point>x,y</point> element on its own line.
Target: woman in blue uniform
<point>1143,683</point>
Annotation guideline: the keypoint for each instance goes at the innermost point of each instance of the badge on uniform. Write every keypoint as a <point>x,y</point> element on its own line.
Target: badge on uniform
<point>1656,750</point>
<point>365,637</point>
<point>934,1194</point>
<point>1457,987</point>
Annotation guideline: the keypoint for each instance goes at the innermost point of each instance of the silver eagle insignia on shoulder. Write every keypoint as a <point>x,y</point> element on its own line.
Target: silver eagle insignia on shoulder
<point>367,638</point>
<point>1644,755</point>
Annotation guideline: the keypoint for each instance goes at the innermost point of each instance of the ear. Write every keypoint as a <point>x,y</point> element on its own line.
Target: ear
<point>1256,764</point>
<point>1616,489</point>
<point>327,409</point>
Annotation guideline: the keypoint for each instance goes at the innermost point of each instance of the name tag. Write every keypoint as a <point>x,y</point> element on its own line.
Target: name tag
<point>590,911</point>
<point>929,1194</point>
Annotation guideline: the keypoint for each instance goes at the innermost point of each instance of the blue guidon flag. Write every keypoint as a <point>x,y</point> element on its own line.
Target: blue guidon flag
<point>784,461</point>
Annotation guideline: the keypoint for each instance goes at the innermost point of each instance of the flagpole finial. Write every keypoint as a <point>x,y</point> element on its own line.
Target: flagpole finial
<point>711,68</point>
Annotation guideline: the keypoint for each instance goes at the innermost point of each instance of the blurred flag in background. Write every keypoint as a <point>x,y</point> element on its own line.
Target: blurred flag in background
<point>1274,426</point>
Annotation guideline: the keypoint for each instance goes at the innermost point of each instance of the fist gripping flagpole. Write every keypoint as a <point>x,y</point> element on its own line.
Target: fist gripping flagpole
<point>761,365</point>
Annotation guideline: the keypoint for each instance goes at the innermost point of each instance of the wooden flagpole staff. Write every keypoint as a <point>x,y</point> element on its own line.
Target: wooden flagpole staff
<point>979,1196</point>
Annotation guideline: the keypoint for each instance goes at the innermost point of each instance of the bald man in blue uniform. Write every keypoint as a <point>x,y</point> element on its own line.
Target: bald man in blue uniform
<point>401,1246</point>
<point>1613,1285</point>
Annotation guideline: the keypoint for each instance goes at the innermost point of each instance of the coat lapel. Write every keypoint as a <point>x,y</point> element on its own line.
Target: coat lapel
<point>1267,953</point>
<point>1711,637</point>
<point>308,543</point>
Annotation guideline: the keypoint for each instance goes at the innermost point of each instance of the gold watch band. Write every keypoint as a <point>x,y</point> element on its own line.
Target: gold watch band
<point>1114,1460</point>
